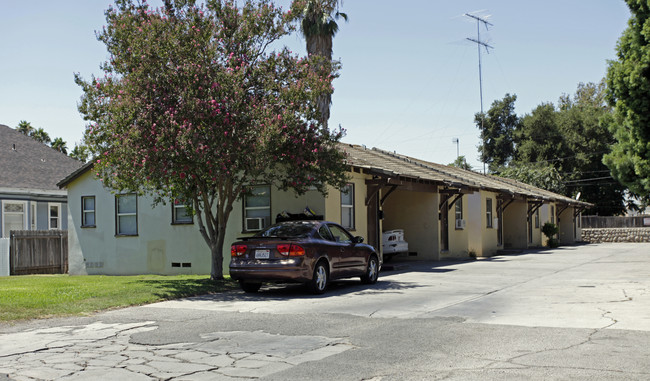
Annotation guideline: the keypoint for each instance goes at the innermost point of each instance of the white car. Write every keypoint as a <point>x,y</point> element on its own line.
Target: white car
<point>393,243</point>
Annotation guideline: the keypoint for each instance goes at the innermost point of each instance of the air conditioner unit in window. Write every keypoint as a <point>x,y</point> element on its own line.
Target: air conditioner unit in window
<point>460,224</point>
<point>256,223</point>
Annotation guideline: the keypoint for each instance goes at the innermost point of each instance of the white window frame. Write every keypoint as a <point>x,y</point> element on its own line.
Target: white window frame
<point>85,211</point>
<point>553,214</point>
<point>247,209</point>
<point>4,219</point>
<point>488,213</point>
<point>126,214</point>
<point>348,208</point>
<point>33,219</point>
<point>180,205</point>
<point>56,205</point>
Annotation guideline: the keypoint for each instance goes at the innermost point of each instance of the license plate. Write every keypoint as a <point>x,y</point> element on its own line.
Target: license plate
<point>262,254</point>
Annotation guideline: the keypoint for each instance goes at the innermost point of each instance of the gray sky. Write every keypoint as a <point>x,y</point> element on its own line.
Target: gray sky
<point>409,81</point>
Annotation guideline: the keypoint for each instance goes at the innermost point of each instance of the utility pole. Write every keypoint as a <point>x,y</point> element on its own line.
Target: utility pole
<point>480,43</point>
<point>456,141</point>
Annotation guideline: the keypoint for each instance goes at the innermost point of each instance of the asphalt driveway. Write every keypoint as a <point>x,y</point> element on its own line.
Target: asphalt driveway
<point>574,313</point>
<point>586,286</point>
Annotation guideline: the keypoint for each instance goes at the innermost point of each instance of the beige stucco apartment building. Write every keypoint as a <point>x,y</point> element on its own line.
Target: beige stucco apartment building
<point>445,212</point>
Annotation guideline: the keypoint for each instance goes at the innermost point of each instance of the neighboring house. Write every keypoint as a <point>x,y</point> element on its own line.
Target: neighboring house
<point>444,212</point>
<point>29,172</point>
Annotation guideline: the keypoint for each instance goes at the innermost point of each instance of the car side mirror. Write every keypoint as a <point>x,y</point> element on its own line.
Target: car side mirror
<point>358,239</point>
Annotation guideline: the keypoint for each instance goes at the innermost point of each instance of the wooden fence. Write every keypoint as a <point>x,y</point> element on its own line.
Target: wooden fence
<point>600,222</point>
<point>38,252</point>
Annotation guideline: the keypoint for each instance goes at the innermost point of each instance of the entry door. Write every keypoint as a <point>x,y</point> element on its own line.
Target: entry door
<point>444,227</point>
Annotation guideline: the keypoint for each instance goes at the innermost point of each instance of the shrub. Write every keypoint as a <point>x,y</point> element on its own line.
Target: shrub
<point>550,230</point>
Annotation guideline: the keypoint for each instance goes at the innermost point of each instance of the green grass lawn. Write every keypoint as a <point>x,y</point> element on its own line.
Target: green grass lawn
<point>41,296</point>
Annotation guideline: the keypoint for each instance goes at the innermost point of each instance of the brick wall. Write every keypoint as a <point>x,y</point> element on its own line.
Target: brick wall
<point>616,235</point>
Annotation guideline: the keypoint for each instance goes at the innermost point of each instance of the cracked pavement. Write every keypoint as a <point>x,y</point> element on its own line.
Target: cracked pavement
<point>579,313</point>
<point>108,351</point>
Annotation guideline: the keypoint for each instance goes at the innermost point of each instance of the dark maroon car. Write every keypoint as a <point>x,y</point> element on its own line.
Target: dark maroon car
<point>310,252</point>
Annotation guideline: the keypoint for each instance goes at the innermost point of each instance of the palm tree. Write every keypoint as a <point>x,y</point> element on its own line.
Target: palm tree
<point>25,128</point>
<point>40,135</point>
<point>461,162</point>
<point>60,145</point>
<point>80,152</point>
<point>318,26</point>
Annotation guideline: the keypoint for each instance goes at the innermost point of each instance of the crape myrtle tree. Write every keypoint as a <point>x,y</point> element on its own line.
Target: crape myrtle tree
<point>194,106</point>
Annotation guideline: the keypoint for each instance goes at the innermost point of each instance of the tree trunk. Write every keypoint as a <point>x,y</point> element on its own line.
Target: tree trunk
<point>217,253</point>
<point>217,261</point>
<point>322,46</point>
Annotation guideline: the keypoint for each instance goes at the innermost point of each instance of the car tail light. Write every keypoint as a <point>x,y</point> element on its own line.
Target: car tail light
<point>237,250</point>
<point>296,251</point>
<point>290,250</point>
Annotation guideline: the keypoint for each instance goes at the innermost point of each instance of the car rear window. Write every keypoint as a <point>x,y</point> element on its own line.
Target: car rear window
<point>287,231</point>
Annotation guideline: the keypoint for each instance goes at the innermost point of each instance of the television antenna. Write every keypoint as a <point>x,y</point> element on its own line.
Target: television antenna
<point>479,43</point>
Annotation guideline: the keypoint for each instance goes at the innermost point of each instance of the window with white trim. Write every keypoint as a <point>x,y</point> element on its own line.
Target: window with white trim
<point>488,212</point>
<point>180,214</point>
<point>257,208</point>
<point>459,208</point>
<point>537,218</point>
<point>553,214</point>
<point>54,216</point>
<point>88,212</point>
<point>32,217</point>
<point>347,206</point>
<point>126,214</point>
<point>14,216</point>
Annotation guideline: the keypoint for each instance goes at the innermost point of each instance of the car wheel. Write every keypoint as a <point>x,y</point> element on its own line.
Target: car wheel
<point>319,281</point>
<point>250,287</point>
<point>372,272</point>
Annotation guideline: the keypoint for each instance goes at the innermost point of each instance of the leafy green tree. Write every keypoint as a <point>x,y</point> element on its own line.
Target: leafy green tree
<point>539,139</point>
<point>587,140</point>
<point>628,84</point>
<point>461,162</point>
<point>540,175</point>
<point>318,25</point>
<point>40,135</point>
<point>571,139</point>
<point>60,145</point>
<point>194,106</point>
<point>497,132</point>
<point>25,127</point>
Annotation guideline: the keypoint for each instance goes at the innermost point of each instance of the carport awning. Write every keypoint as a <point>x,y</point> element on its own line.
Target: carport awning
<point>412,174</point>
<point>376,184</point>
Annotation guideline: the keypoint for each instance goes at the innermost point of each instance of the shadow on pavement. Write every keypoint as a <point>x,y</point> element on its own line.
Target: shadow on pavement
<point>448,265</point>
<point>270,291</point>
